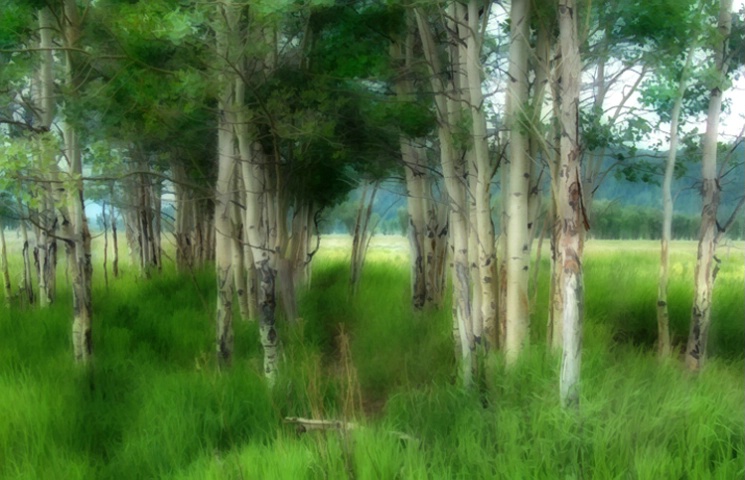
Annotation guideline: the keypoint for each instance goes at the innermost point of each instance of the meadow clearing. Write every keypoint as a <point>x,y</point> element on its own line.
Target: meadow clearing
<point>154,405</point>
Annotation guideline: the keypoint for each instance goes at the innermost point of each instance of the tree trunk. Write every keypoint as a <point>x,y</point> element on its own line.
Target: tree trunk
<point>239,262</point>
<point>27,288</point>
<point>416,231</point>
<point>554,330</point>
<point>518,253</point>
<point>260,224</point>
<point>362,233</point>
<point>75,225</point>
<point>570,221</point>
<point>105,246</point>
<point>4,266</point>
<point>447,96</point>
<point>415,171</point>
<point>224,35</point>
<point>664,347</point>
<point>46,244</point>
<point>706,261</point>
<point>158,224</point>
<point>436,248</point>
<point>252,279</point>
<point>115,261</point>
<point>264,254</point>
<point>483,172</point>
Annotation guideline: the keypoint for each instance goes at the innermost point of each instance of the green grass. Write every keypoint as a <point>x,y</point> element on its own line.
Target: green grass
<point>153,405</point>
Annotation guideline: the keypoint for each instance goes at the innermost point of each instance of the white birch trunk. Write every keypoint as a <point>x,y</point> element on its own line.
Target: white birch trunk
<point>224,35</point>
<point>46,244</point>
<point>447,95</point>
<point>518,253</point>
<point>415,203</point>
<point>483,173</point>
<point>706,261</point>
<point>238,252</point>
<point>414,161</point>
<point>570,205</point>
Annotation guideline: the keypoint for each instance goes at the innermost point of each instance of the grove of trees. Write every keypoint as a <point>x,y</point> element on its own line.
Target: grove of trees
<point>255,119</point>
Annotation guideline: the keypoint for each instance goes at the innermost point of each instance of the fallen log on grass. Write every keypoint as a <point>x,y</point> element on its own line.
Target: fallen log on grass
<point>306,424</point>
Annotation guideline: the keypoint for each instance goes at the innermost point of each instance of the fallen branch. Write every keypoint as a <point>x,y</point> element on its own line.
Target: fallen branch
<point>305,424</point>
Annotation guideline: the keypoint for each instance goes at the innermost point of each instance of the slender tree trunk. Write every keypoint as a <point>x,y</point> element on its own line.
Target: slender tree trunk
<point>264,254</point>
<point>225,32</point>
<point>362,234</point>
<point>518,253</point>
<point>416,174</point>
<point>115,240</point>
<point>447,102</point>
<point>105,246</point>
<point>416,231</point>
<point>664,347</point>
<point>483,172</point>
<point>569,206</point>
<point>252,279</point>
<point>554,330</point>
<point>706,261</point>
<point>75,225</point>
<point>477,319</point>
<point>260,223</point>
<point>157,224</point>
<point>4,266</point>
<point>27,288</point>
<point>46,243</point>
<point>239,262</point>
<point>502,253</point>
<point>436,248</point>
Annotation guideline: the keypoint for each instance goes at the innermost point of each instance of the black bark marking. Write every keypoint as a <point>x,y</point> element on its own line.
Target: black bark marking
<point>88,342</point>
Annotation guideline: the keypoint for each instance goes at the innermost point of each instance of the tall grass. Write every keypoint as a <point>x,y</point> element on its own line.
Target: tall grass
<point>154,405</point>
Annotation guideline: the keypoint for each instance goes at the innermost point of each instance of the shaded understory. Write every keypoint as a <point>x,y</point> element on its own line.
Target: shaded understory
<point>154,405</point>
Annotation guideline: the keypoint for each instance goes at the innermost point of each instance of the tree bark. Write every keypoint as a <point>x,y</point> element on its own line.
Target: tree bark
<point>570,221</point>
<point>518,253</point>
<point>416,232</point>
<point>448,93</point>
<point>115,240</point>
<point>227,16</point>
<point>46,244</point>
<point>239,262</point>
<point>706,261</point>
<point>484,170</point>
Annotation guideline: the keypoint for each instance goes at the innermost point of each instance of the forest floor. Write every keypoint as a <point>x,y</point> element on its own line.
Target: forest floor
<point>154,405</point>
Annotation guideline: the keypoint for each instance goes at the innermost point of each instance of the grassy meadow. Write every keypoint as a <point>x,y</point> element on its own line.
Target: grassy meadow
<point>154,405</point>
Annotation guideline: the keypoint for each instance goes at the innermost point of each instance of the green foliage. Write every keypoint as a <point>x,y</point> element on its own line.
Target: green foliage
<point>16,19</point>
<point>662,23</point>
<point>351,39</point>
